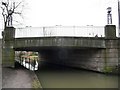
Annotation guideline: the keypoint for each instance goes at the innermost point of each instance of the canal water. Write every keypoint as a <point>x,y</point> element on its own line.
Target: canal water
<point>55,76</point>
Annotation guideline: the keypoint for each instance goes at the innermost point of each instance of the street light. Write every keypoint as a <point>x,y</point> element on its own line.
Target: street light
<point>109,10</point>
<point>109,15</point>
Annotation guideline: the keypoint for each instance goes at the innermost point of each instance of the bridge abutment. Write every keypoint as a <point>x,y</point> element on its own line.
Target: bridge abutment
<point>8,53</point>
<point>111,56</point>
<point>111,50</point>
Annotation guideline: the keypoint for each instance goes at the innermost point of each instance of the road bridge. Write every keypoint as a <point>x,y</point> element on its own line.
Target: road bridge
<point>92,53</point>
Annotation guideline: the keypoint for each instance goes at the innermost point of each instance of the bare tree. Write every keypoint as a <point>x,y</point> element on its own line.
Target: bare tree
<point>9,8</point>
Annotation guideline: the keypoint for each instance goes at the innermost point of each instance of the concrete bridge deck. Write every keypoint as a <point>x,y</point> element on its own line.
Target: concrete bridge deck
<point>49,42</point>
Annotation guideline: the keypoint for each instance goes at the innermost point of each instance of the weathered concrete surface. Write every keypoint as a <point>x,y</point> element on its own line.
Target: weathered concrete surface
<point>91,59</point>
<point>112,55</point>
<point>112,49</point>
<point>119,57</point>
<point>0,64</point>
<point>19,78</point>
<point>102,60</point>
<point>8,53</point>
<point>110,31</point>
<point>74,42</point>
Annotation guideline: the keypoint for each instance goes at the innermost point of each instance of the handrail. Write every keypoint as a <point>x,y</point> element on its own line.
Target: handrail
<point>76,31</point>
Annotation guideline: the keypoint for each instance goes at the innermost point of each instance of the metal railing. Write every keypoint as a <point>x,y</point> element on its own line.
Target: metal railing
<point>31,64</point>
<point>75,31</point>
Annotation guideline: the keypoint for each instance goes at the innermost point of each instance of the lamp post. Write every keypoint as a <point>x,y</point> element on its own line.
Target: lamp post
<point>109,15</point>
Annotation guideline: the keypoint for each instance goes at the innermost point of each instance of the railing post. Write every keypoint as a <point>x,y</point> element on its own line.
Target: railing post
<point>20,60</point>
<point>25,62</point>
<point>34,63</point>
<point>29,63</point>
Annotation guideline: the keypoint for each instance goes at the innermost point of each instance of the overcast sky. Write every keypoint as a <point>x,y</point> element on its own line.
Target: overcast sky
<point>38,13</point>
<point>69,12</point>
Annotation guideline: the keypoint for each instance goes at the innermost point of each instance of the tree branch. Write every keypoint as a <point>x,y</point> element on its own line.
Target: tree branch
<point>4,16</point>
<point>6,6</point>
<point>17,5</point>
<point>17,13</point>
<point>8,9</point>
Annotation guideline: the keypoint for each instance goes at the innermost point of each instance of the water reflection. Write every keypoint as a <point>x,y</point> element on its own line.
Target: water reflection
<point>55,76</point>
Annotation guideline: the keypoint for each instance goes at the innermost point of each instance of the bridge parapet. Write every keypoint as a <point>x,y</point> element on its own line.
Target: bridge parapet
<point>77,42</point>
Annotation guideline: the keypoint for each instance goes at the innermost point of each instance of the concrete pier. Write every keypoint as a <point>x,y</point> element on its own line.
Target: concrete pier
<point>8,53</point>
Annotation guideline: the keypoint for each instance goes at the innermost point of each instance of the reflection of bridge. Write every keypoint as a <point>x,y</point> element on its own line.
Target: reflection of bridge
<point>93,53</point>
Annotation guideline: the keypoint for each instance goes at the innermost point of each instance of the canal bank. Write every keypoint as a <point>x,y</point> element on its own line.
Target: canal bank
<point>19,77</point>
<point>55,76</point>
